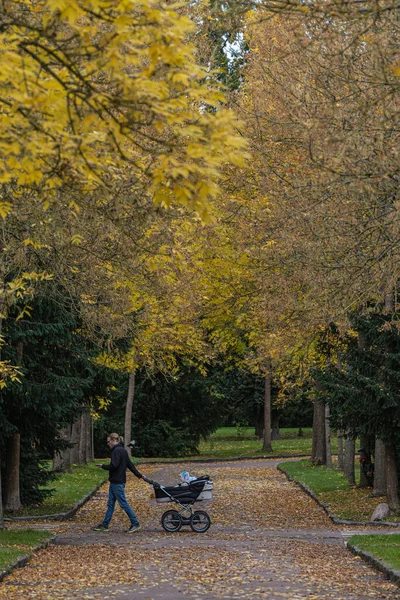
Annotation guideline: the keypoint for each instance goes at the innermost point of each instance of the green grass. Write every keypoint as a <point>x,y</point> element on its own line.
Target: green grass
<point>318,479</point>
<point>69,488</point>
<point>14,544</point>
<point>230,442</point>
<point>331,488</point>
<point>384,547</point>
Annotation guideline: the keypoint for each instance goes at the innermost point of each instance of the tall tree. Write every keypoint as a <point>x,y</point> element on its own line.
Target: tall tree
<point>55,364</point>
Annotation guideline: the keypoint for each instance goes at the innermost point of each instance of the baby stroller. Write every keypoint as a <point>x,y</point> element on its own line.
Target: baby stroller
<point>185,495</point>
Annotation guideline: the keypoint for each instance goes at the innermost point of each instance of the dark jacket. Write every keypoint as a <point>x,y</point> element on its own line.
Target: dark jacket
<point>120,462</point>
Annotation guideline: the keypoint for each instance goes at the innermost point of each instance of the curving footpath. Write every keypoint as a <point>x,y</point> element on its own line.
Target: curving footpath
<point>268,540</point>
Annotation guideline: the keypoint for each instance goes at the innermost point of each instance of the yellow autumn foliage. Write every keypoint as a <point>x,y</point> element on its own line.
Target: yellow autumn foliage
<point>89,89</point>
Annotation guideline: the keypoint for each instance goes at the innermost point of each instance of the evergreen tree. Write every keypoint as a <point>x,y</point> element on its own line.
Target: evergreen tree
<point>170,414</point>
<point>364,393</point>
<point>57,377</point>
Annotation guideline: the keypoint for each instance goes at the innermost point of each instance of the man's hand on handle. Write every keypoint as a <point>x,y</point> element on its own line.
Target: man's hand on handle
<point>150,481</point>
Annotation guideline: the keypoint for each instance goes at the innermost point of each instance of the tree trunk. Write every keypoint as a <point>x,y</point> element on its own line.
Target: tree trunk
<point>365,455</point>
<point>1,503</point>
<point>340,464</point>
<point>12,493</point>
<point>391,474</point>
<point>92,438</point>
<point>80,435</point>
<point>82,438</point>
<point>379,470</point>
<point>318,453</point>
<point>389,301</point>
<point>75,439</point>
<point>392,482</point>
<point>259,426</point>
<point>1,493</point>
<point>275,427</point>
<point>128,413</point>
<point>13,456</point>
<point>328,437</point>
<point>267,445</point>
<point>87,420</point>
<point>349,452</point>
<point>62,460</point>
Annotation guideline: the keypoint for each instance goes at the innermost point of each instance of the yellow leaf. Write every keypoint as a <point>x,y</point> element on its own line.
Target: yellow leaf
<point>5,209</point>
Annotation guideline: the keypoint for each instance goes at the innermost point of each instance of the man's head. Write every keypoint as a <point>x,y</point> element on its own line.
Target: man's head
<point>113,439</point>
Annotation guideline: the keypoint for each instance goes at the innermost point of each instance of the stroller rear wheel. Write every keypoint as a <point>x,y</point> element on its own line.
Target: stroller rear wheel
<point>200,521</point>
<point>171,521</point>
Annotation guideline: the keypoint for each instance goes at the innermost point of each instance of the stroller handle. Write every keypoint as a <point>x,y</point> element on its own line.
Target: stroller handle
<point>151,482</point>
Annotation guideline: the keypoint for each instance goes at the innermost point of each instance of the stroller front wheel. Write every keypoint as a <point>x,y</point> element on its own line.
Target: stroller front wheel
<point>171,521</point>
<point>200,521</point>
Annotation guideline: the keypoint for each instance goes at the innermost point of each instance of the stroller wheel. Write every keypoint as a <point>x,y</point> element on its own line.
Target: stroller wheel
<point>171,521</point>
<point>200,521</point>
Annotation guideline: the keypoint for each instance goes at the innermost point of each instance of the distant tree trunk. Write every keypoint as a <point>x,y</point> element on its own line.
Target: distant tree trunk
<point>389,301</point>
<point>391,473</point>
<point>259,426</point>
<point>62,460</point>
<point>318,454</point>
<point>128,413</point>
<point>365,454</point>
<point>349,452</point>
<point>87,428</point>
<point>275,427</point>
<point>92,439</point>
<point>13,457</point>
<point>340,464</point>
<point>379,470</point>
<point>328,438</point>
<point>392,482</point>
<point>267,445</point>
<point>3,314</point>
<point>75,440</point>
<point>1,493</point>
<point>1,503</point>
<point>80,435</point>
<point>82,438</point>
<point>12,493</point>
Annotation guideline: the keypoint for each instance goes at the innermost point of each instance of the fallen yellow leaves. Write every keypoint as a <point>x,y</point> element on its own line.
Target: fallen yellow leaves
<point>268,540</point>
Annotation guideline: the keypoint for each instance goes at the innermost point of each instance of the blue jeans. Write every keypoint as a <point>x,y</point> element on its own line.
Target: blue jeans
<point>117,492</point>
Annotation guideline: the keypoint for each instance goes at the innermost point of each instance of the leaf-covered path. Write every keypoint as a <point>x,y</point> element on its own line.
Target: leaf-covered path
<point>268,540</point>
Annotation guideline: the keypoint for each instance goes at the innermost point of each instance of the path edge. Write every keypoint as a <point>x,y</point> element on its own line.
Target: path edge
<point>24,559</point>
<point>59,516</point>
<point>379,565</point>
<point>333,517</point>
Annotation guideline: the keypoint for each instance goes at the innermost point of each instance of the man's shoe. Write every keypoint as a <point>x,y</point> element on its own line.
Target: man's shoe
<point>133,528</point>
<point>100,527</point>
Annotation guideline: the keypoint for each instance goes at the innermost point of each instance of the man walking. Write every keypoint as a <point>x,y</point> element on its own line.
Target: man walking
<point>120,462</point>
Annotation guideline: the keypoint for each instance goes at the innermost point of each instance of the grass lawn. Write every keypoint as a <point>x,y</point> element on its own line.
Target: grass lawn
<point>231,442</point>
<point>69,488</point>
<point>14,544</point>
<point>384,547</point>
<point>330,487</point>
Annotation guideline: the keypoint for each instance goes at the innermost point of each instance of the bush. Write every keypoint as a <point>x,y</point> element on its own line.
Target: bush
<point>161,439</point>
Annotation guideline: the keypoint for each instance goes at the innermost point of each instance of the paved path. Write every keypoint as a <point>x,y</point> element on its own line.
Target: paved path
<point>268,540</point>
